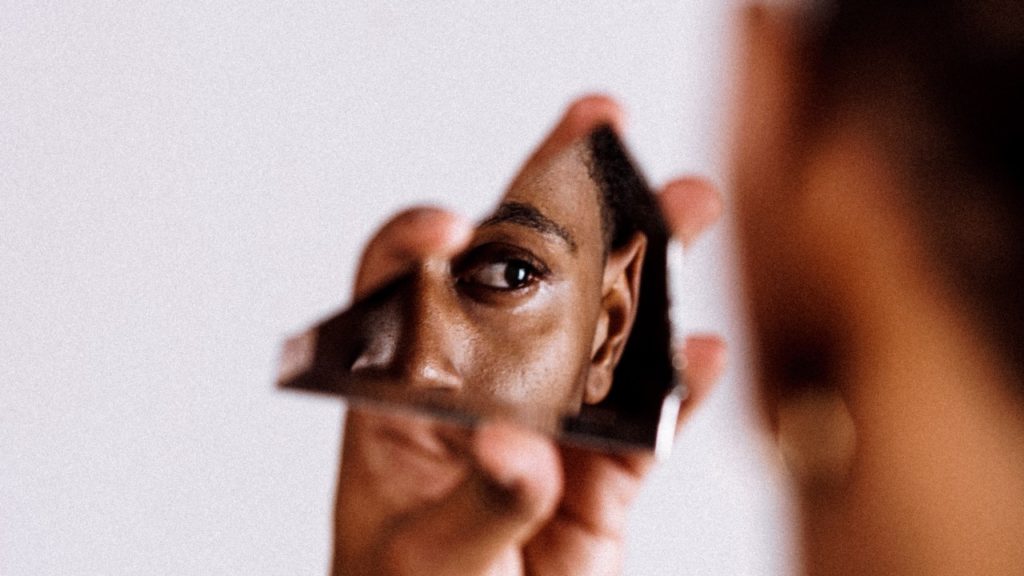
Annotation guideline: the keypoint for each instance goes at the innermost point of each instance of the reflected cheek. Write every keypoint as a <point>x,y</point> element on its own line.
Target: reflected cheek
<point>537,356</point>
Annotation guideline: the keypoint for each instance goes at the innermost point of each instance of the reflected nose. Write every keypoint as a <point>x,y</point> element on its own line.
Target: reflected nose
<point>433,335</point>
<point>419,338</point>
<point>378,332</point>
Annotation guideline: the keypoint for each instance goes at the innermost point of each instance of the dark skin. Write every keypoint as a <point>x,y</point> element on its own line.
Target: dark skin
<point>898,418</point>
<point>535,312</point>
<point>906,455</point>
<point>491,499</point>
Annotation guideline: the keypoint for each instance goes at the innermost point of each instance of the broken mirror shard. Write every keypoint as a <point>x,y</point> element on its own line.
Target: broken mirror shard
<point>556,316</point>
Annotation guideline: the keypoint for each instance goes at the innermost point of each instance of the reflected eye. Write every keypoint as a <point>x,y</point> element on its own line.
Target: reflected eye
<point>498,267</point>
<point>505,275</point>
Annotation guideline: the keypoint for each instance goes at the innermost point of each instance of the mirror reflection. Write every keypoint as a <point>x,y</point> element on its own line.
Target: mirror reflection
<point>555,314</point>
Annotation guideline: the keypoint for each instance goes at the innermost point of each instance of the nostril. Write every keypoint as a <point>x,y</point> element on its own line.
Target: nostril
<point>376,355</point>
<point>363,363</point>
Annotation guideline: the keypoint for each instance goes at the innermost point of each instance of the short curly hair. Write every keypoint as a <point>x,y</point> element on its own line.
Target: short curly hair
<point>628,207</point>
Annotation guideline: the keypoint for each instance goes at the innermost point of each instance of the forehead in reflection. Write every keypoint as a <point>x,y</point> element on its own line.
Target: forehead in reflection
<point>559,199</point>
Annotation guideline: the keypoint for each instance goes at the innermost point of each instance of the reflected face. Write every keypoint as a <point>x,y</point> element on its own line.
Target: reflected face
<point>513,318</point>
<point>530,319</point>
<point>530,315</point>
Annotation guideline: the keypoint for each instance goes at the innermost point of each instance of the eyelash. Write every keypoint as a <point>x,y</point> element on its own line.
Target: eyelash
<point>512,258</point>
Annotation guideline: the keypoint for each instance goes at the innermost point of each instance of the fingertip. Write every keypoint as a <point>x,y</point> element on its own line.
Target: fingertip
<point>707,349</point>
<point>453,235</point>
<point>581,118</point>
<point>433,231</point>
<point>413,235</point>
<point>706,358</point>
<point>592,110</point>
<point>690,184</point>
<point>691,205</point>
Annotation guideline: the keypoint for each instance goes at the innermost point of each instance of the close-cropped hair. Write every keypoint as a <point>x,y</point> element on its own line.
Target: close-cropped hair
<point>628,207</point>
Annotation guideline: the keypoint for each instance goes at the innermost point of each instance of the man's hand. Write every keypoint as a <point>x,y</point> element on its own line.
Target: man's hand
<point>500,499</point>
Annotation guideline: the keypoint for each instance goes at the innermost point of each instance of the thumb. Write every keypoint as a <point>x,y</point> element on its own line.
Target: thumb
<point>513,488</point>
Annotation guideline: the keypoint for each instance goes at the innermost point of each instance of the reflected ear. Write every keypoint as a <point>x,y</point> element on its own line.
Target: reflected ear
<point>620,295</point>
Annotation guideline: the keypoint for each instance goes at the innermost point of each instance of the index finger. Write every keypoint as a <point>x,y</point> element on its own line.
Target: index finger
<point>690,206</point>
<point>582,117</point>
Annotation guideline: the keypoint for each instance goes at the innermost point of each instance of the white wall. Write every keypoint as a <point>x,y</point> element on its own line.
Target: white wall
<point>181,184</point>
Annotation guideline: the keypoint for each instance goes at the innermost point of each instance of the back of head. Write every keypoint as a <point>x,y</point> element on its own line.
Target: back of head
<point>942,82</point>
<point>877,183</point>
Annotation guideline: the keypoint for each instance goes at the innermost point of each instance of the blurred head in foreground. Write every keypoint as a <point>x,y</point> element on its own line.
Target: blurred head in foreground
<point>878,182</point>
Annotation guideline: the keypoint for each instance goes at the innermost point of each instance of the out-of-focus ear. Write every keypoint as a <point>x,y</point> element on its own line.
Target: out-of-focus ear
<point>620,291</point>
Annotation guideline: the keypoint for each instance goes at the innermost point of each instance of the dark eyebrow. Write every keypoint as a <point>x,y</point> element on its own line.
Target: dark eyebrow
<point>528,215</point>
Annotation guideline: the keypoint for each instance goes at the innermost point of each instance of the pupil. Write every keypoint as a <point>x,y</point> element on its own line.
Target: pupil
<point>516,274</point>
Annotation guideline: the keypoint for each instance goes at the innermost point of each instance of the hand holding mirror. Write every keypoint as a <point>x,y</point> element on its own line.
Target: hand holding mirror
<point>550,313</point>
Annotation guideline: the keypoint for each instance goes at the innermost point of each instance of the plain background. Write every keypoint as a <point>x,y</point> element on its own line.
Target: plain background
<point>184,183</point>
